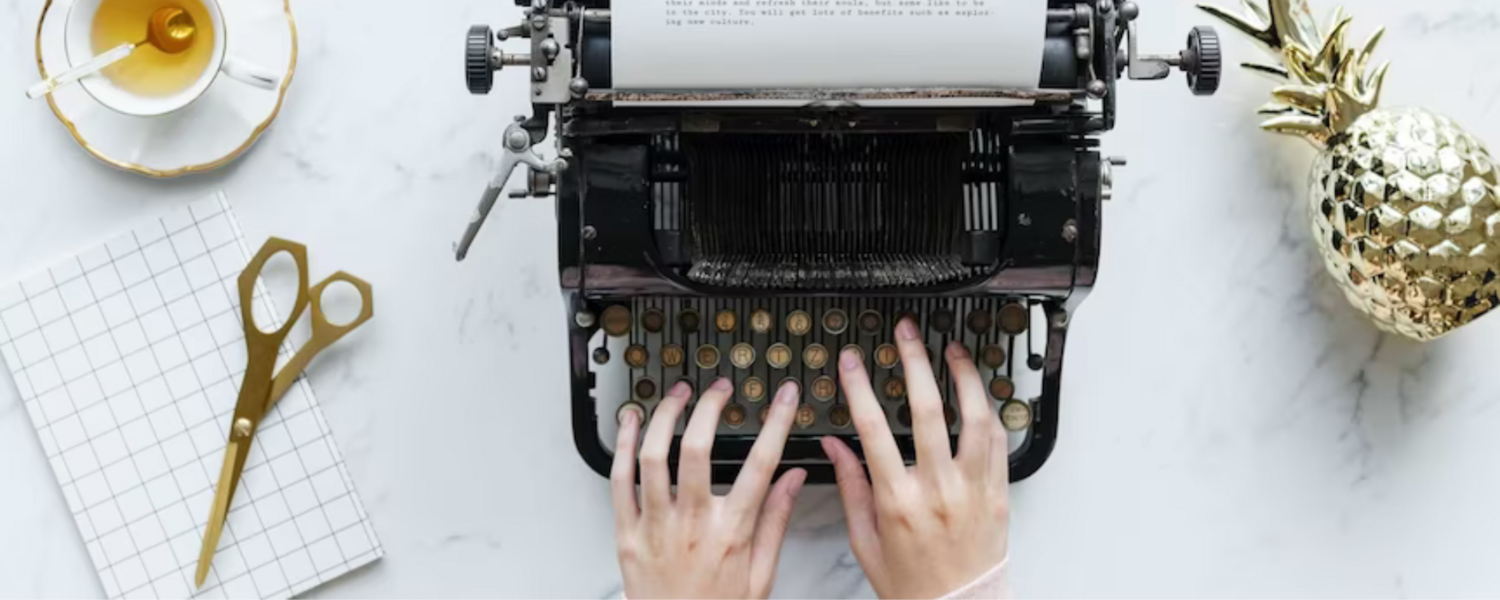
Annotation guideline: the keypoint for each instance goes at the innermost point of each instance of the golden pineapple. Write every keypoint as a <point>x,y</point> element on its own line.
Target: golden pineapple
<point>1403,202</point>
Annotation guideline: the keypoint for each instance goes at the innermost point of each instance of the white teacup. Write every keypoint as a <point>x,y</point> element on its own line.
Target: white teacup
<point>77,38</point>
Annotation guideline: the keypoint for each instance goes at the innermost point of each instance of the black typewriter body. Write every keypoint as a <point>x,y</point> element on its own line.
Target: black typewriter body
<point>699,242</point>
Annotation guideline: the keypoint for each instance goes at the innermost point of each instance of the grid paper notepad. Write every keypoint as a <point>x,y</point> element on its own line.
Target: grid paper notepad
<point>128,358</point>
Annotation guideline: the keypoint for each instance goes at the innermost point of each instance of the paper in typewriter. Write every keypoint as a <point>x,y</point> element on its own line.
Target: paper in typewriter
<point>750,44</point>
<point>128,358</point>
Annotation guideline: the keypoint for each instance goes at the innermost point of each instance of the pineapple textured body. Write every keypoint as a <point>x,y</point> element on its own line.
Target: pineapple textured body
<point>1407,218</point>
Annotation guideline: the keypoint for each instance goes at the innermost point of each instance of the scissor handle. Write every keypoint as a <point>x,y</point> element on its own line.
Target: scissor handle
<point>257,340</point>
<point>324,332</point>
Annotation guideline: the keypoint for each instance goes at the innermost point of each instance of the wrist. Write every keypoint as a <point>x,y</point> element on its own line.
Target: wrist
<point>994,583</point>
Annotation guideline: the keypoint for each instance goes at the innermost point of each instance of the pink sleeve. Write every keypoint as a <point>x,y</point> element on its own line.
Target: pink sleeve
<point>994,584</point>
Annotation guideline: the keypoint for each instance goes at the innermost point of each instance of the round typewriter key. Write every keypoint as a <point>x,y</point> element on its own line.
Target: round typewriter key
<point>992,356</point>
<point>742,355</point>
<point>903,415</point>
<point>734,415</point>
<point>823,388</point>
<point>671,355</point>
<point>1015,415</point>
<point>806,416</point>
<point>616,321</point>
<point>765,413</point>
<point>858,351</point>
<point>632,406</point>
<point>798,323</point>
<point>753,389</point>
<point>895,388</point>
<point>760,321</point>
<point>689,321</point>
<point>725,321</point>
<point>645,389</point>
<point>980,321</point>
<point>835,321</point>
<point>1002,388</point>
<point>636,356</point>
<point>707,357</point>
<point>779,356</point>
<point>871,323</point>
<point>815,356</point>
<point>653,320</point>
<point>601,355</point>
<point>1014,318</point>
<point>941,321</point>
<point>839,416</point>
<point>887,356</point>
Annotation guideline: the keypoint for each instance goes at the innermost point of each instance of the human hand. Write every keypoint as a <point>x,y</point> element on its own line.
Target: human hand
<point>698,545</point>
<point>931,529</point>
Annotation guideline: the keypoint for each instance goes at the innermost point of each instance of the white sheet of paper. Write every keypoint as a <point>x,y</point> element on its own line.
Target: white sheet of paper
<point>128,359</point>
<point>748,44</point>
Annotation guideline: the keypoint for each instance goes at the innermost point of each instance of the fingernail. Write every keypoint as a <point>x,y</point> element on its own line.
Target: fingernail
<point>797,484</point>
<point>680,390</point>
<point>848,360</point>
<point>957,351</point>
<point>722,384</point>
<point>906,329</point>
<point>787,394</point>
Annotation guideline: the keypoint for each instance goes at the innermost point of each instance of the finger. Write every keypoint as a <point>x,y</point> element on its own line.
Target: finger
<point>858,498</point>
<point>656,477</point>
<point>928,423</point>
<point>974,408</point>
<point>622,475</point>
<point>886,465</point>
<point>755,476</point>
<point>999,467</point>
<point>694,467</point>
<point>770,530</point>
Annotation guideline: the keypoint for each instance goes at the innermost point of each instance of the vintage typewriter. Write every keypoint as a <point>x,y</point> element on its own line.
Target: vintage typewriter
<point>698,241</point>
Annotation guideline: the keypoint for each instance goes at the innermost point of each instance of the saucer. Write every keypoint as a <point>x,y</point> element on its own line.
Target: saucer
<point>214,130</point>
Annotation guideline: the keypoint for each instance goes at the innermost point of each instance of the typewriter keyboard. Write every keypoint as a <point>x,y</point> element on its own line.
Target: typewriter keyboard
<point>646,345</point>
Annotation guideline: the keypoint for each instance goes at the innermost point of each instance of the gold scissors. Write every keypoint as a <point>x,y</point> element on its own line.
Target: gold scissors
<point>260,390</point>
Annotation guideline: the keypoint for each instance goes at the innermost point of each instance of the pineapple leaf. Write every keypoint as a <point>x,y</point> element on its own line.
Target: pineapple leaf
<point>1310,99</point>
<point>1276,73</point>
<point>1375,85</point>
<point>1310,128</point>
<point>1333,46</point>
<point>1368,50</point>
<point>1275,108</point>
<point>1263,31</point>
<point>1254,8</point>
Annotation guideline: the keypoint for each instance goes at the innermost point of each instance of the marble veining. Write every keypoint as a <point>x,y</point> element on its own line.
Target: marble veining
<point>1230,427</point>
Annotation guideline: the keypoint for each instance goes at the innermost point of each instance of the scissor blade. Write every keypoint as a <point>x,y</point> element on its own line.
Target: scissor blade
<point>235,455</point>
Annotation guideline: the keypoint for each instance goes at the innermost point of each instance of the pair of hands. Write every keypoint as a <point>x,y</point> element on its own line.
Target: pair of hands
<point>918,532</point>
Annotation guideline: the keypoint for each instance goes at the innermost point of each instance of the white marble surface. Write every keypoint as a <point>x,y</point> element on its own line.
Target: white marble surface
<point>1230,428</point>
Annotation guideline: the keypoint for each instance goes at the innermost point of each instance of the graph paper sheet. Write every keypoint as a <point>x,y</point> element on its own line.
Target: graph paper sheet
<point>128,358</point>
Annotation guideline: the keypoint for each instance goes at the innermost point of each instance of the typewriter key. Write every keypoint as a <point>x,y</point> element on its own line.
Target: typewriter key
<point>798,323</point>
<point>992,356</point>
<point>839,416</point>
<point>858,351</point>
<point>671,355</point>
<point>806,416</point>
<point>632,406</point>
<point>760,321</point>
<point>895,388</point>
<point>942,320</point>
<point>734,415</point>
<point>871,323</point>
<point>645,389</point>
<point>1014,318</point>
<point>980,321</point>
<point>725,321</point>
<point>653,320</point>
<point>887,356</point>
<point>823,388</point>
<point>835,321</point>
<point>689,320</point>
<point>1015,415</point>
<point>754,389</point>
<point>636,356</point>
<point>779,356</point>
<point>707,357</point>
<point>815,356</point>
<point>1002,388</point>
<point>601,355</point>
<point>903,415</point>
<point>742,355</point>
<point>616,321</point>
